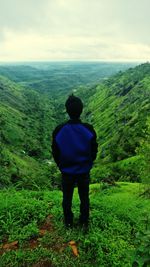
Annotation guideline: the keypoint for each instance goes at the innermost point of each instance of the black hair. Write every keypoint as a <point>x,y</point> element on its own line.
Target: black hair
<point>74,106</point>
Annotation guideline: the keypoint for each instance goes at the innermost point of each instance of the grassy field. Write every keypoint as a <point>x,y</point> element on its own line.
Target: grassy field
<point>32,233</point>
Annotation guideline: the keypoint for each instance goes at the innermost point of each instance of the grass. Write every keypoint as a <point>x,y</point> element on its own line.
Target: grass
<point>34,219</point>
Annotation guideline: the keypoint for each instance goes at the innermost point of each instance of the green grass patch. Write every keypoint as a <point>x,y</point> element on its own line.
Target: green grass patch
<point>116,220</point>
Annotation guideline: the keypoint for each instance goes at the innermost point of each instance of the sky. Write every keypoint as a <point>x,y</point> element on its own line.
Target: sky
<point>84,30</point>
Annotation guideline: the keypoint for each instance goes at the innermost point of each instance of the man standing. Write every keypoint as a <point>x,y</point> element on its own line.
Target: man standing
<point>74,149</point>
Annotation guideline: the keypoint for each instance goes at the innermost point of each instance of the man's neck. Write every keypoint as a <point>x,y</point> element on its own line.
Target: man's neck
<point>74,120</point>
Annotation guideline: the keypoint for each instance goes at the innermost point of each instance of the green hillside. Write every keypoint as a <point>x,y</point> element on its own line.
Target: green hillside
<point>26,123</point>
<point>120,112</point>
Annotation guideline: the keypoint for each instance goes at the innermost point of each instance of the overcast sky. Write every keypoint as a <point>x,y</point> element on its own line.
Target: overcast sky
<point>74,30</point>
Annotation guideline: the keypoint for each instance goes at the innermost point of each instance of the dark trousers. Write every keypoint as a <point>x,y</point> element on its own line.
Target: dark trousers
<point>68,184</point>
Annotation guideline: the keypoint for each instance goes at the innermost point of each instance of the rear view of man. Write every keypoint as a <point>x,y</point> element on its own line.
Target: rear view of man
<point>74,149</point>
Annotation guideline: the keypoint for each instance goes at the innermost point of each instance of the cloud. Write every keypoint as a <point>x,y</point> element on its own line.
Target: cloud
<point>74,29</point>
<point>20,15</point>
<point>33,46</point>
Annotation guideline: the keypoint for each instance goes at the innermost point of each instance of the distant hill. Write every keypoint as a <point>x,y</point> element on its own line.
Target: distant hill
<point>58,78</point>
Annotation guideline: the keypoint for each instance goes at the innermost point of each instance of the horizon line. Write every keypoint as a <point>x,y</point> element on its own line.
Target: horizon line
<point>77,60</point>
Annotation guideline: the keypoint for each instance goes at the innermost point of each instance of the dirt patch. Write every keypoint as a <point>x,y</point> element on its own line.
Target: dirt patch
<point>33,243</point>
<point>47,226</point>
<point>9,246</point>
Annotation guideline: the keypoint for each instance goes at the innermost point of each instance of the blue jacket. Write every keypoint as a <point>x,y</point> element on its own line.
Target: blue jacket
<point>74,147</point>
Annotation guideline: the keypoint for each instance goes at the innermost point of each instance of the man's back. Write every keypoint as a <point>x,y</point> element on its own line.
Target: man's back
<point>75,145</point>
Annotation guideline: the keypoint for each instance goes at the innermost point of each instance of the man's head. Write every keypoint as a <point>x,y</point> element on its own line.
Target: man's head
<point>74,106</point>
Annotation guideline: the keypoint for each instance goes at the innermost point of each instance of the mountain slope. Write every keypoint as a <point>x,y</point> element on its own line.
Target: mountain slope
<point>26,123</point>
<point>119,111</point>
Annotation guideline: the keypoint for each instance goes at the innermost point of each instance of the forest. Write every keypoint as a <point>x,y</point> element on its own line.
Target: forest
<point>116,99</point>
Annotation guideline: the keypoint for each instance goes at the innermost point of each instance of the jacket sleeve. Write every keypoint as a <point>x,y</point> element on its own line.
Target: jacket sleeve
<point>55,148</point>
<point>94,145</point>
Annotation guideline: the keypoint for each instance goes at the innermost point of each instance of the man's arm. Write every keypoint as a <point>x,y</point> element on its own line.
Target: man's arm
<point>55,151</point>
<point>94,144</point>
<point>55,148</point>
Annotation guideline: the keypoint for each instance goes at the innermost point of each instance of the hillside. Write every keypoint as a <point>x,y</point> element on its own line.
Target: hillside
<point>120,112</point>
<point>26,123</point>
